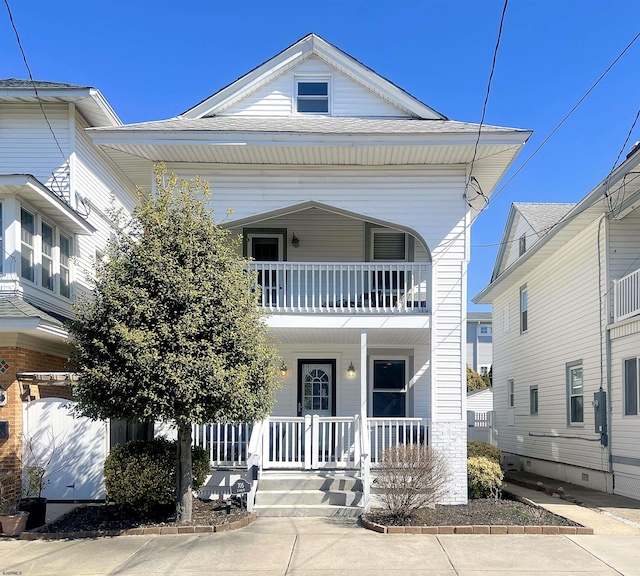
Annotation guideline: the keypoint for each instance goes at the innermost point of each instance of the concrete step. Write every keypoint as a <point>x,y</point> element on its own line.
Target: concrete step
<point>306,497</point>
<point>309,511</point>
<point>312,481</point>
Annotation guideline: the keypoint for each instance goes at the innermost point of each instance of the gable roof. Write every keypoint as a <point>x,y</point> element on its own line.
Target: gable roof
<point>308,46</point>
<point>89,101</point>
<point>542,217</point>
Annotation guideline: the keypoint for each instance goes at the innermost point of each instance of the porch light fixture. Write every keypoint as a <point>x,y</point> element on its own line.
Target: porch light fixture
<point>283,369</point>
<point>351,371</point>
<point>294,240</point>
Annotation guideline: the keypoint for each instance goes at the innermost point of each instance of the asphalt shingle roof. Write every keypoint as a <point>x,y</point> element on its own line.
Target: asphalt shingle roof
<point>311,124</point>
<point>542,217</point>
<point>14,307</point>
<point>478,315</point>
<point>40,84</point>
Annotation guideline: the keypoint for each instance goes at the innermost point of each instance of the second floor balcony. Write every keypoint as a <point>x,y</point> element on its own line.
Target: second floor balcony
<point>344,287</point>
<point>626,296</point>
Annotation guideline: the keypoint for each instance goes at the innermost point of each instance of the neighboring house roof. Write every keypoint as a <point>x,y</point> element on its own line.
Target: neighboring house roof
<point>576,218</point>
<point>88,100</point>
<point>308,46</point>
<point>542,217</point>
<point>16,308</point>
<point>479,316</point>
<point>488,390</point>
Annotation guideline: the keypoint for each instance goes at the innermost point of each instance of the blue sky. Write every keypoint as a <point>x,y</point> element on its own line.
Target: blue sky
<point>154,59</point>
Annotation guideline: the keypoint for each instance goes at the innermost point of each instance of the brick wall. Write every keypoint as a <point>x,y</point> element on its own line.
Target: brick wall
<point>13,360</point>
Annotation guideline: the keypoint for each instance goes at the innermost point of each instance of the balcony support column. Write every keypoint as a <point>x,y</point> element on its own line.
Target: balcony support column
<point>363,376</point>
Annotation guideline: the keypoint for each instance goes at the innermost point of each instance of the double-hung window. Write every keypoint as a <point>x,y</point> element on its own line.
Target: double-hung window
<point>312,96</point>
<point>631,387</point>
<point>65,257</point>
<point>575,394</point>
<point>27,245</point>
<point>511,393</point>
<point>533,400</point>
<point>389,388</point>
<point>47,278</point>
<point>522,245</point>
<point>524,309</point>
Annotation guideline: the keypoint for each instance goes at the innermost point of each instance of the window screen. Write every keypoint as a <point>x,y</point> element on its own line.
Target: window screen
<point>389,246</point>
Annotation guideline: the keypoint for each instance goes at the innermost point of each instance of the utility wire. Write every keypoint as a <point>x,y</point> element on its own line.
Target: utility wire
<point>620,196</point>
<point>496,194</point>
<point>472,180</point>
<point>35,88</point>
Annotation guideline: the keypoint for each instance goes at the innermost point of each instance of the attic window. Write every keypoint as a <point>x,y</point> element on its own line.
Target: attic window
<point>312,96</point>
<point>522,245</point>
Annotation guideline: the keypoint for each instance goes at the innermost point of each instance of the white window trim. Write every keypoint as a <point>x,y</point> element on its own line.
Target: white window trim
<point>511,393</point>
<point>524,290</point>
<point>624,387</point>
<point>405,390</point>
<point>375,231</point>
<point>487,328</point>
<point>522,245</point>
<point>569,369</point>
<point>486,366</point>
<point>537,407</point>
<point>312,78</point>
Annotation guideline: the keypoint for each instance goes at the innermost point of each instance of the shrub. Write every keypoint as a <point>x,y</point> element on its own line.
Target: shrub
<point>141,475</point>
<point>483,449</point>
<point>410,478</point>
<point>484,477</point>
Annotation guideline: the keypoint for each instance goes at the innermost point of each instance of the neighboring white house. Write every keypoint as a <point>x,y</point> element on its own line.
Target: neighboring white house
<point>350,195</point>
<point>565,293</point>
<point>55,189</point>
<point>479,342</point>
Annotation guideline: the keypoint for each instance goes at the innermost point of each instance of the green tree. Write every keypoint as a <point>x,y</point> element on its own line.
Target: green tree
<point>476,381</point>
<point>172,330</point>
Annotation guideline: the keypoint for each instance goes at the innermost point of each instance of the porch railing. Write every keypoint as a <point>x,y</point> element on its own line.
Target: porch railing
<point>226,444</point>
<point>626,296</point>
<point>388,432</point>
<point>348,287</point>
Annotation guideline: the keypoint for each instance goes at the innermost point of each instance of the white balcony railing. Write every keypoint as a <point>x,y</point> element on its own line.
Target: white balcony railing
<point>626,296</point>
<point>344,287</point>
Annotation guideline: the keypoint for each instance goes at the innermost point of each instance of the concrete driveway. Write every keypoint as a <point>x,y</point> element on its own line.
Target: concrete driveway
<point>319,547</point>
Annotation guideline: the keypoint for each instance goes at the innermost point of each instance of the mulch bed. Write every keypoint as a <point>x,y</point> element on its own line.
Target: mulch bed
<point>111,517</point>
<point>505,512</point>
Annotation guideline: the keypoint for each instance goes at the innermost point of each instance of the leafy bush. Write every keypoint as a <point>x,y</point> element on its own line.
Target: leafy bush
<point>484,477</point>
<point>483,449</point>
<point>141,475</point>
<point>410,478</point>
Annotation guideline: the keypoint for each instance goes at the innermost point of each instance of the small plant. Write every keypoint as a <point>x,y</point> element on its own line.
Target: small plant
<point>484,477</point>
<point>34,481</point>
<point>9,497</point>
<point>410,478</point>
<point>483,449</point>
<point>141,475</point>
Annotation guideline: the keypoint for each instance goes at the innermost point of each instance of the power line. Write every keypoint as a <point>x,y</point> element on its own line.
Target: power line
<point>496,194</point>
<point>35,88</point>
<point>620,196</point>
<point>472,181</point>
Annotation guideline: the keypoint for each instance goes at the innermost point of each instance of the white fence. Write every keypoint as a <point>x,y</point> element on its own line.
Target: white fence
<point>481,427</point>
<point>626,296</point>
<point>343,287</point>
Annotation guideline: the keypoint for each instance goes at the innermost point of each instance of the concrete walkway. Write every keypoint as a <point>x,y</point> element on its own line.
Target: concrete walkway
<point>323,547</point>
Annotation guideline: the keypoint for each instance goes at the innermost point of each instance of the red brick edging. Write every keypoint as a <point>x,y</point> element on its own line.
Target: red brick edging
<point>155,530</point>
<point>478,529</point>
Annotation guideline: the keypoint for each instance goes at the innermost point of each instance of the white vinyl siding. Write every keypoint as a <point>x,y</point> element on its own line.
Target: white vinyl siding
<point>348,98</point>
<point>519,229</point>
<point>563,299</point>
<point>27,145</point>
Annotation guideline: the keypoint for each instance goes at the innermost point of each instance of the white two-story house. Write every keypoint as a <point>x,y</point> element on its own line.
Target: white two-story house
<point>351,198</point>
<point>565,293</point>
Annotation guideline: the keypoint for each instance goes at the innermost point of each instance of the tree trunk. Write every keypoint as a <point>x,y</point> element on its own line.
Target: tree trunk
<point>183,475</point>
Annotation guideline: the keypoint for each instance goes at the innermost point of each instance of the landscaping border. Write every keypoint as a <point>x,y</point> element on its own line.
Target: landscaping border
<point>150,530</point>
<point>476,529</point>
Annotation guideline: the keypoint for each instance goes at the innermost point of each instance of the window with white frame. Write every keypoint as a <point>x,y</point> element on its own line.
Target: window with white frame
<point>631,387</point>
<point>312,95</point>
<point>533,400</point>
<point>522,245</point>
<point>524,309</point>
<point>45,253</point>
<point>484,369</point>
<point>389,388</point>
<point>511,393</point>
<point>485,330</point>
<point>575,393</point>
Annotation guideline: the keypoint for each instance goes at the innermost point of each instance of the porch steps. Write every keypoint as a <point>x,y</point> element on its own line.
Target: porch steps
<point>312,494</point>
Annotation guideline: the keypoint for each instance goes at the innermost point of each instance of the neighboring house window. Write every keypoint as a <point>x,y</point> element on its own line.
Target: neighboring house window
<point>312,96</point>
<point>484,370</point>
<point>631,387</point>
<point>533,400</point>
<point>575,397</point>
<point>522,245</point>
<point>65,256</point>
<point>485,330</point>
<point>27,248</point>
<point>389,245</point>
<point>389,388</point>
<point>511,391</point>
<point>524,309</point>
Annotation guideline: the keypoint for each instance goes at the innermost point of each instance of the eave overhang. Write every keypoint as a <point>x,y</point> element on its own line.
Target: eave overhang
<point>35,327</point>
<point>44,201</point>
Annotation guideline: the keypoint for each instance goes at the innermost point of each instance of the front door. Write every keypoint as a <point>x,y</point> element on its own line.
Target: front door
<point>317,387</point>
<point>267,249</point>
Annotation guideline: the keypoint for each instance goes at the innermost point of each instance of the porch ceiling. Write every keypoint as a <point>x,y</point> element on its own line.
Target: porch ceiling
<point>375,336</point>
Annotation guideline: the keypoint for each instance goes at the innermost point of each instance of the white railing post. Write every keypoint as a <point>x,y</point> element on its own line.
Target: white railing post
<point>314,447</point>
<point>365,465</point>
<point>308,442</point>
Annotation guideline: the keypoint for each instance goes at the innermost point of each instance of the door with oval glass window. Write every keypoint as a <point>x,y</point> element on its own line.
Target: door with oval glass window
<point>317,387</point>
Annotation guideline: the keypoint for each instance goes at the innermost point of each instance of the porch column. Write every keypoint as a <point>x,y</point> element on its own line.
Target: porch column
<point>363,377</point>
